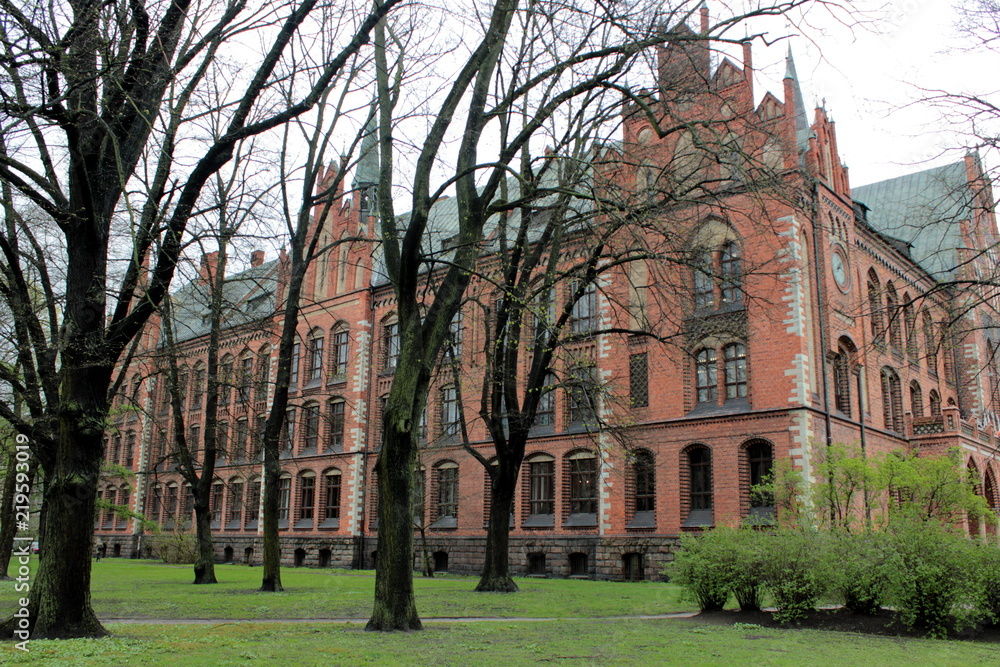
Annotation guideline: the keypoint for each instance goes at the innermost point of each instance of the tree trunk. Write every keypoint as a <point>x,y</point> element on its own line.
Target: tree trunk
<point>59,605</point>
<point>496,564</point>
<point>271,575</point>
<point>204,564</point>
<point>395,607</point>
<point>9,527</point>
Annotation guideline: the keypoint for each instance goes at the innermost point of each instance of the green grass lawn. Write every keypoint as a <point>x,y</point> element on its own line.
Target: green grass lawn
<point>571,642</point>
<point>148,589</point>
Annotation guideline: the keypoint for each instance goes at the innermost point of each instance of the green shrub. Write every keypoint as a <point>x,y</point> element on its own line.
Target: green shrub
<point>988,568</point>
<point>933,580</point>
<point>175,548</point>
<point>747,556</point>
<point>700,568</point>
<point>796,570</point>
<point>859,569</point>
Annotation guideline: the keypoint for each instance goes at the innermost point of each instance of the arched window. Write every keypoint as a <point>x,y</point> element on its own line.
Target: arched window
<point>643,488</point>
<point>583,394</point>
<point>842,377</point>
<point>540,491</point>
<point>583,318</point>
<point>238,448</point>
<point>545,414</point>
<point>698,465</point>
<point>197,385</point>
<point>581,469</point>
<point>288,431</point>
<point>453,345</point>
<point>892,401</point>
<point>263,374</point>
<point>934,399</point>
<point>335,443</point>
<point>910,326</point>
<point>225,383</point>
<point>916,399</point>
<point>245,379</point>
<point>215,504</point>
<point>252,503</point>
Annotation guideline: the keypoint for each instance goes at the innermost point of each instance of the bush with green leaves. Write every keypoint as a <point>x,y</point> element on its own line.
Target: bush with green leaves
<point>703,570</point>
<point>860,569</point>
<point>176,548</point>
<point>797,571</point>
<point>933,580</point>
<point>720,562</point>
<point>988,570</point>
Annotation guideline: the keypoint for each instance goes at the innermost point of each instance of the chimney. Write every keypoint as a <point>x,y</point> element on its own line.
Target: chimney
<point>209,261</point>
<point>704,18</point>
<point>748,66</point>
<point>256,258</point>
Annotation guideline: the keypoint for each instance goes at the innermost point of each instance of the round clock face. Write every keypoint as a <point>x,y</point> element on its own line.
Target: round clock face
<point>839,267</point>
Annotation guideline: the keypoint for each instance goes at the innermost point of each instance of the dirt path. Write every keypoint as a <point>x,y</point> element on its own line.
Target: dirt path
<point>433,619</point>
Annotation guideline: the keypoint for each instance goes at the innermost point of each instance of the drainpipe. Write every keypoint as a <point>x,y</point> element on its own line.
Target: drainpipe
<point>372,345</point>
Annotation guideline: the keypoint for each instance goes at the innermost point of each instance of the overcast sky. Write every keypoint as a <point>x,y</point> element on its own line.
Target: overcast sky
<point>869,75</point>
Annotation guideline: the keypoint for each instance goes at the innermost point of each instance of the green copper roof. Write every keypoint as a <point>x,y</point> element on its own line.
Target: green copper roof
<point>925,210</point>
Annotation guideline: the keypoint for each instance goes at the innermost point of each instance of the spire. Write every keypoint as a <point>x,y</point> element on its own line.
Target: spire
<point>367,173</point>
<point>801,121</point>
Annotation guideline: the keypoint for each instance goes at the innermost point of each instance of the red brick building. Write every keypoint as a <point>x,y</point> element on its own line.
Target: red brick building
<point>837,314</point>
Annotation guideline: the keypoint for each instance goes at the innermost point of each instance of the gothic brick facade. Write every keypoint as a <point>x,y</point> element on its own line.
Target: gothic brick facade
<point>822,318</point>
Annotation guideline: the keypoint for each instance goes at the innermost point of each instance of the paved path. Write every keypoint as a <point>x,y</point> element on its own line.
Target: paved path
<point>434,619</point>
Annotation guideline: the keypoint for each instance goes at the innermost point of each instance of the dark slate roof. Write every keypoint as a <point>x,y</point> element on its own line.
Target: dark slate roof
<point>443,226</point>
<point>247,296</point>
<point>924,210</point>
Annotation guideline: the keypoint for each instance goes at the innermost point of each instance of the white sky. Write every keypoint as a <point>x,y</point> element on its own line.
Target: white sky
<point>869,75</point>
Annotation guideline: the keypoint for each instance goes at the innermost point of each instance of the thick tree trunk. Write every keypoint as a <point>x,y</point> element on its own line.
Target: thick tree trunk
<point>271,575</point>
<point>395,607</point>
<point>59,605</point>
<point>204,564</point>
<point>496,564</point>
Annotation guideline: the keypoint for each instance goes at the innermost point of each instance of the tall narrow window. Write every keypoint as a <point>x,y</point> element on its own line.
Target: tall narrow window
<point>541,491</point>
<point>453,346</point>
<point>892,312</point>
<point>216,502</point>
<point>390,346</point>
<point>252,503</point>
<point>245,379</point>
<point>331,497</point>
<point>760,460</point>
<point>293,373</point>
<point>545,414</point>
<point>338,360</point>
<point>699,464</point>
<point>842,382</point>
<point>730,273</point>
<point>447,492</point>
<point>288,431</point>
<point>638,380</point>
<point>315,371</point>
<point>284,499</point>
<point>235,504</point>
<point>916,399</point>
<point>225,383</point>
<point>197,386</point>
<point>735,357</point>
<point>239,447</point>
<point>336,442</point>
<point>310,427</point>
<point>910,329</point>
<point>582,468</point>
<point>449,412</point>
<point>875,307</point>
<point>892,404</point>
<point>583,395</point>
<point>171,504</point>
<point>707,376</point>
<point>704,284</point>
<point>543,313</point>
<point>584,313</point>
<point>263,376</point>
<point>930,344</point>
<point>307,498</point>
<point>644,475</point>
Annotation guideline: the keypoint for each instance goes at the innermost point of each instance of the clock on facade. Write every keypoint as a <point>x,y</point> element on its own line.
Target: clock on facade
<point>838,263</point>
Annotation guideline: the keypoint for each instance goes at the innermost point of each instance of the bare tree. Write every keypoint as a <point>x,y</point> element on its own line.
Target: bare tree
<point>601,43</point>
<point>93,142</point>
